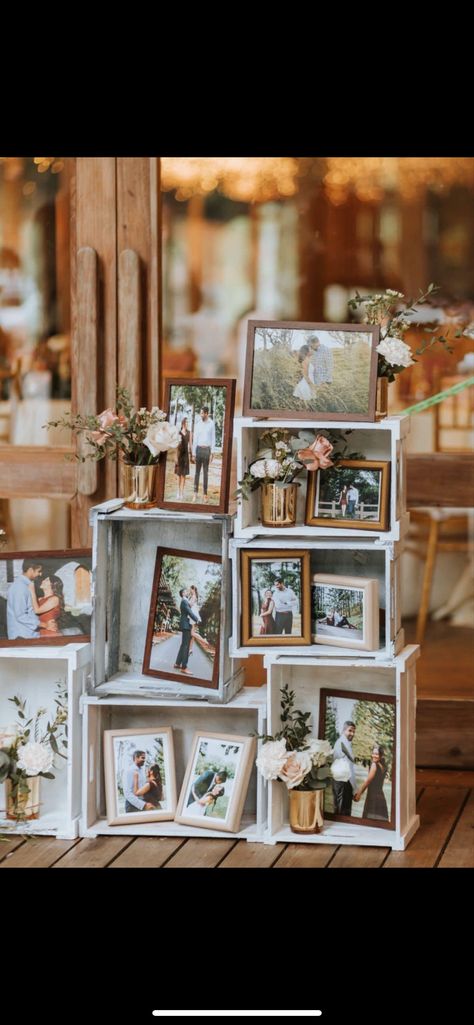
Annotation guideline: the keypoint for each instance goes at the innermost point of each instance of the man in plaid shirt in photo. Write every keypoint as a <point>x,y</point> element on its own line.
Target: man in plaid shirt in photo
<point>320,368</point>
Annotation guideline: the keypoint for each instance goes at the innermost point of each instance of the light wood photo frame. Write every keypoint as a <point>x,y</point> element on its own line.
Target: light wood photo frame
<point>345,611</point>
<point>216,781</point>
<point>153,773</point>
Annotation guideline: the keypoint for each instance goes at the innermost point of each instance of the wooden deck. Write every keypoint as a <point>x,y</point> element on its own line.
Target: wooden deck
<point>445,802</point>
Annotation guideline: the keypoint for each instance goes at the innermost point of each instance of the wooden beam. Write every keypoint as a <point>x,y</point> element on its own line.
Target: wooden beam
<point>36,471</point>
<point>440,479</point>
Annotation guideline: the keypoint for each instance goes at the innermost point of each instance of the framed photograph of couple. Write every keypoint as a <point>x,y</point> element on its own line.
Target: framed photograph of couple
<point>275,597</point>
<point>305,371</point>
<point>345,611</point>
<point>182,641</point>
<point>361,729</point>
<point>196,475</point>
<point>216,781</point>
<point>140,781</point>
<point>355,493</point>
<point>45,597</point>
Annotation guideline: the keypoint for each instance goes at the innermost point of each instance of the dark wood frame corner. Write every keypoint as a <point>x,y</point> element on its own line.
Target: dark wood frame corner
<point>199,382</point>
<point>390,699</point>
<point>279,641</point>
<point>213,683</point>
<point>383,523</point>
<point>62,639</point>
<point>308,415</point>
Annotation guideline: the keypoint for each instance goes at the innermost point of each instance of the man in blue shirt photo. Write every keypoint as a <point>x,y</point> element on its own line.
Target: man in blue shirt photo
<point>22,621</point>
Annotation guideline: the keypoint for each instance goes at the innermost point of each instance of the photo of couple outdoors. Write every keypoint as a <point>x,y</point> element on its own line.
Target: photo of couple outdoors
<point>186,617</point>
<point>212,778</point>
<point>140,774</point>
<point>45,597</point>
<point>276,597</point>
<point>337,609</point>
<point>347,493</point>
<point>362,735</point>
<point>194,469</point>
<point>303,369</point>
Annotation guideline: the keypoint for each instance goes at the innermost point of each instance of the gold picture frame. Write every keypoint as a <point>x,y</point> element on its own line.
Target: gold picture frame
<point>273,563</point>
<point>322,489</point>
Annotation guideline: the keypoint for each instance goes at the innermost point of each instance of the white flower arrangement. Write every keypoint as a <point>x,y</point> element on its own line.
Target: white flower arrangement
<point>34,758</point>
<point>27,748</point>
<point>300,761</point>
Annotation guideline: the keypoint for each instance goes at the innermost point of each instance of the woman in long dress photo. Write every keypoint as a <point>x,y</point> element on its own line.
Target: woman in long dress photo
<point>183,452</point>
<point>194,603</point>
<point>375,806</point>
<point>304,389</point>
<point>342,500</point>
<point>266,613</point>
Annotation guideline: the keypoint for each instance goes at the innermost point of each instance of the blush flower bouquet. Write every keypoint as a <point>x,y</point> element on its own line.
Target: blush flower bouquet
<point>292,755</point>
<point>280,458</point>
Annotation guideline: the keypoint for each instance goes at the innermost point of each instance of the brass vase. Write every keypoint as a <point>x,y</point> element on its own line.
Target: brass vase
<point>279,505</point>
<point>138,486</point>
<point>306,810</point>
<point>23,805</point>
<point>381,398</point>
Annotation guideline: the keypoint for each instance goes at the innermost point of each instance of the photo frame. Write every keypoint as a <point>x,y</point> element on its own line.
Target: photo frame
<point>361,728</point>
<point>352,494</point>
<point>345,611</point>
<point>275,597</point>
<point>216,781</point>
<point>45,597</point>
<point>198,472</point>
<point>182,641</point>
<point>303,371</point>
<point>139,769</point>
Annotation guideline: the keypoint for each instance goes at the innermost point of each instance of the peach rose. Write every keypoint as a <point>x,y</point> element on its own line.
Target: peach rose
<point>106,419</point>
<point>296,767</point>
<point>316,456</point>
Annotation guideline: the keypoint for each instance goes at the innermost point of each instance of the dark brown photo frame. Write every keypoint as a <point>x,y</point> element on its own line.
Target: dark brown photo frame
<point>275,640</point>
<point>344,524</point>
<point>201,382</point>
<point>192,680</point>
<point>249,409</point>
<point>81,555</point>
<point>327,692</point>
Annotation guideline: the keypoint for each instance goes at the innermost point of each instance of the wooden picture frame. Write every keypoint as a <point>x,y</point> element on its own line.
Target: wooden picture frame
<point>166,620</point>
<point>326,388</point>
<point>220,801</point>
<point>70,599</point>
<point>348,634</point>
<point>320,479</point>
<point>156,743</point>
<point>372,801</point>
<point>180,389</point>
<point>250,588</point>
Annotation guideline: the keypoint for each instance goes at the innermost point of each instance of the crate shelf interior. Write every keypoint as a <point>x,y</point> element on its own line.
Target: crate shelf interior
<point>306,676</point>
<point>341,556</point>
<point>124,552</point>
<point>244,714</point>
<point>384,440</point>
<point>32,673</point>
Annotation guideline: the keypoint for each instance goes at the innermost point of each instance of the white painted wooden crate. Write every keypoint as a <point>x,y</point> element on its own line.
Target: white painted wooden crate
<point>306,676</point>
<point>123,561</point>
<point>385,440</point>
<point>342,556</point>
<point>243,715</point>
<point>32,673</point>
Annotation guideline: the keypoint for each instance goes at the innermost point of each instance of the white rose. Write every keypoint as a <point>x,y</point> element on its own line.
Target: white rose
<point>395,352</point>
<point>320,751</point>
<point>257,469</point>
<point>8,735</point>
<point>280,446</point>
<point>297,766</point>
<point>272,758</point>
<point>35,758</point>
<point>341,770</point>
<point>272,468</point>
<point>161,437</point>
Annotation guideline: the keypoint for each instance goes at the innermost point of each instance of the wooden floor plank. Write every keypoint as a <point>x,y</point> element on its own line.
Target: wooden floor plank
<point>96,853</point>
<point>445,778</point>
<point>359,857</point>
<point>8,846</point>
<point>147,852</point>
<point>39,852</point>
<point>200,854</point>
<point>438,809</point>
<point>460,850</point>
<point>306,855</point>
<point>252,855</point>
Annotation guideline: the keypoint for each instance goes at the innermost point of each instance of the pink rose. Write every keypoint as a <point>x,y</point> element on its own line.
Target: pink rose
<point>106,419</point>
<point>316,457</point>
<point>297,766</point>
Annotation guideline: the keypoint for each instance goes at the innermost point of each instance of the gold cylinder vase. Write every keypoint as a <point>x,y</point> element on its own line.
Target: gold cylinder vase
<point>279,505</point>
<point>306,810</point>
<point>23,805</point>
<point>381,398</point>
<point>138,486</point>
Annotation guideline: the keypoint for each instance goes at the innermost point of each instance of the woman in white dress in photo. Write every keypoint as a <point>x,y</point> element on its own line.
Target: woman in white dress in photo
<point>200,808</point>
<point>304,389</point>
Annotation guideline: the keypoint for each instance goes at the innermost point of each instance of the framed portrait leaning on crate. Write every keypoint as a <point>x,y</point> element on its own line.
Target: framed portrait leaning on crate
<point>275,597</point>
<point>216,781</point>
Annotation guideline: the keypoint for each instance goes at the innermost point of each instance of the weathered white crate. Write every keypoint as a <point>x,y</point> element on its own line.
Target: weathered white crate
<point>385,440</point>
<point>123,561</point>
<point>342,556</point>
<point>306,676</point>
<point>244,714</point>
<point>32,673</point>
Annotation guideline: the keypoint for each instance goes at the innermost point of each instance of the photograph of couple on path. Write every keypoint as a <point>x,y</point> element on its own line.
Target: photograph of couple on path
<point>183,631</point>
